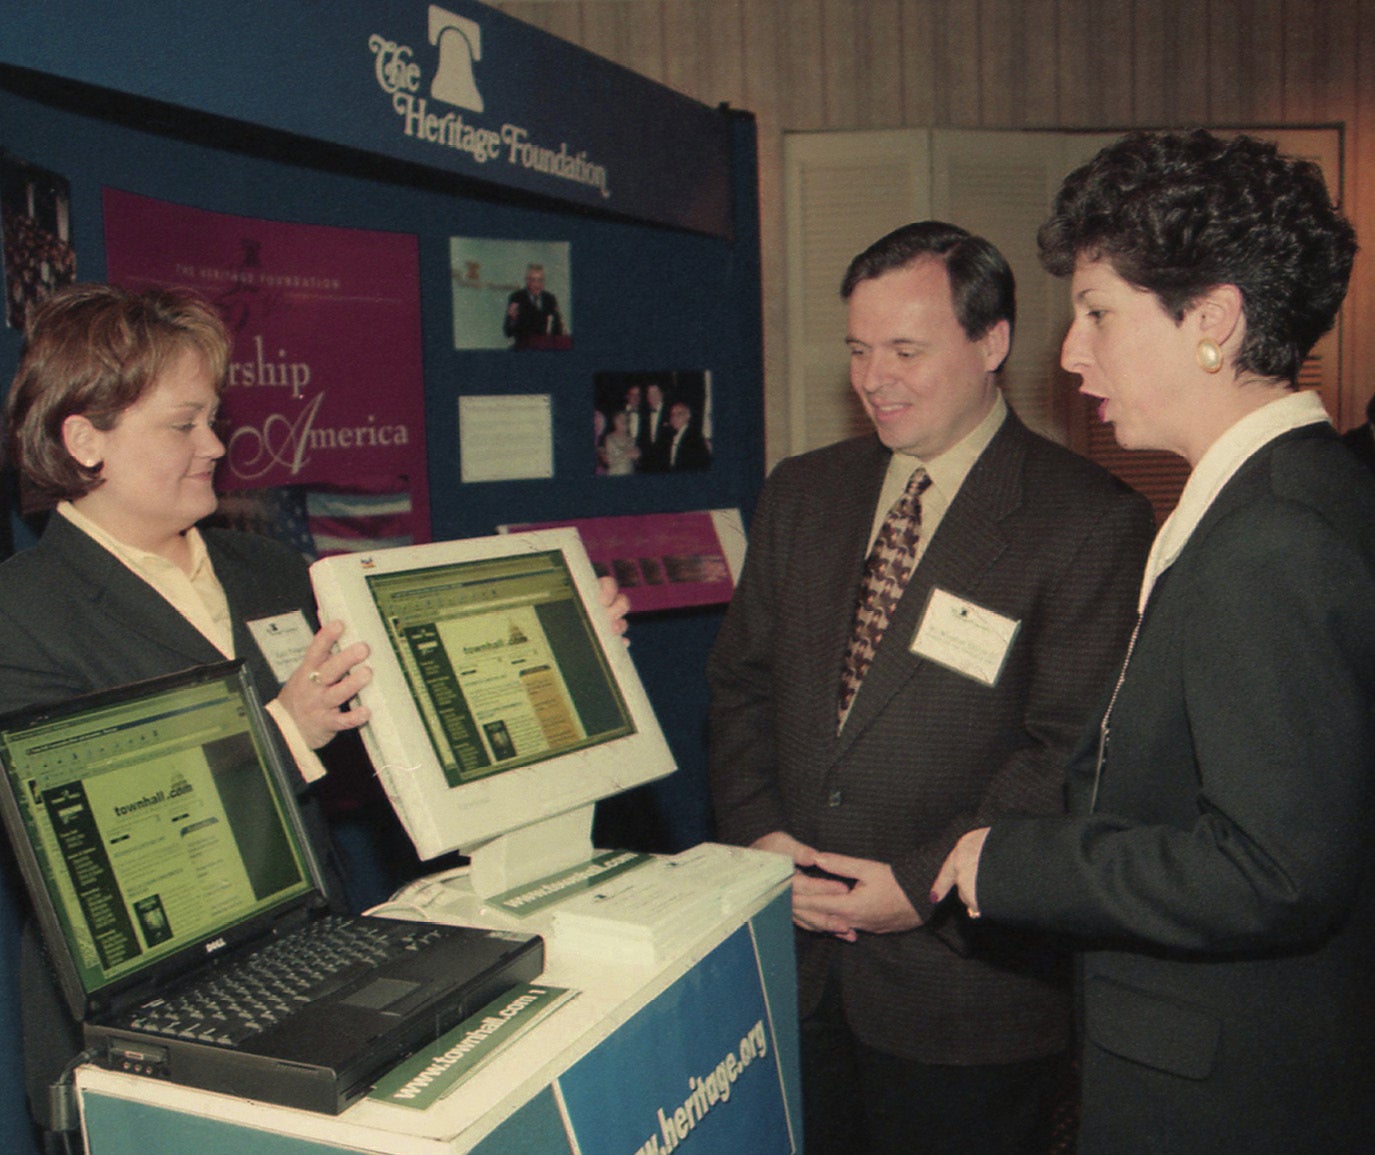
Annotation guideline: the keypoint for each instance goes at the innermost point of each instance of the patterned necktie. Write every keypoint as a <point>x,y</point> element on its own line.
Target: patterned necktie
<point>885,577</point>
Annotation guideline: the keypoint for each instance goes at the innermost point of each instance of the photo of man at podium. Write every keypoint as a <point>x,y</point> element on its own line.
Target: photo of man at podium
<point>533,320</point>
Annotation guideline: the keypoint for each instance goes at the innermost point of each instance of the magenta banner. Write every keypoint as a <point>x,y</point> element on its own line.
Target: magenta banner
<point>663,561</point>
<point>324,401</point>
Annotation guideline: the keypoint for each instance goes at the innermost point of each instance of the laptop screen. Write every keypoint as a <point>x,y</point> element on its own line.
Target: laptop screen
<point>154,818</point>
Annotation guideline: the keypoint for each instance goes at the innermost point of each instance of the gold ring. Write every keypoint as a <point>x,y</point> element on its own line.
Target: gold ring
<point>314,676</point>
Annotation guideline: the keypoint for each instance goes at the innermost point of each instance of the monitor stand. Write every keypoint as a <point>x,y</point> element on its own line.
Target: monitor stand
<point>530,852</point>
<point>508,861</point>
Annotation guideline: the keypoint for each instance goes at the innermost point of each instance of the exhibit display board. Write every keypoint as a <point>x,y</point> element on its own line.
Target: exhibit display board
<point>459,87</point>
<point>292,114</point>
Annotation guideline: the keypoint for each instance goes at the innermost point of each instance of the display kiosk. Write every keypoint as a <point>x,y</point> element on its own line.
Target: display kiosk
<point>371,122</point>
<point>502,707</point>
<point>691,1041</point>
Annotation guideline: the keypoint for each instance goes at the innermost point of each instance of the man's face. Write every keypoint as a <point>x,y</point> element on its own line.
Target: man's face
<point>679,416</point>
<point>632,397</point>
<point>534,280</point>
<point>924,384</point>
<point>656,396</point>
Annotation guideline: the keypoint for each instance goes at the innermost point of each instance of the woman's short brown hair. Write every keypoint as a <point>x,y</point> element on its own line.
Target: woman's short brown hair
<point>94,350</point>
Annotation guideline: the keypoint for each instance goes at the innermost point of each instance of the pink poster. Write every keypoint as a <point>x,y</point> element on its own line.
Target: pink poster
<point>324,403</point>
<point>663,561</point>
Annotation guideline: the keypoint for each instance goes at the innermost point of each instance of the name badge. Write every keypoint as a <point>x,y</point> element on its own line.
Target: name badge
<point>964,637</point>
<point>283,639</point>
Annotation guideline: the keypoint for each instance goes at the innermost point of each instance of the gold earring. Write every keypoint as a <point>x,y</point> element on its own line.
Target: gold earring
<point>1209,355</point>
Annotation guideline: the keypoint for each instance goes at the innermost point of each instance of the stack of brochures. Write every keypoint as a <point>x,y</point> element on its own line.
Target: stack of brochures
<point>648,914</point>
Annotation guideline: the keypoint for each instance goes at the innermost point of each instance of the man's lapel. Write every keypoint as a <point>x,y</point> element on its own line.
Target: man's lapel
<point>968,540</point>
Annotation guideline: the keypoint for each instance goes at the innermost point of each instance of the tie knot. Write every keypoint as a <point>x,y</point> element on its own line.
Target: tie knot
<point>911,496</point>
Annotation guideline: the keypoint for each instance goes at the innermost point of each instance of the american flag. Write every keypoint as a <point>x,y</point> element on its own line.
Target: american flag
<point>319,520</point>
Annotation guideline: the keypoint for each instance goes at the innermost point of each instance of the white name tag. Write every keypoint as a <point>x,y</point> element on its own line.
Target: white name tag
<point>964,637</point>
<point>283,639</point>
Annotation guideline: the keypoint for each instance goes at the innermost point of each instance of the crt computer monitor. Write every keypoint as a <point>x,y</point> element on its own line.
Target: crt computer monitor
<point>502,705</point>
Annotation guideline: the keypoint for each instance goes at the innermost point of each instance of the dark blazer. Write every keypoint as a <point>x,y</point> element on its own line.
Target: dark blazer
<point>654,442</point>
<point>531,319</point>
<point>693,451</point>
<point>1361,441</point>
<point>1035,533</point>
<point>74,619</point>
<point>1223,877</point>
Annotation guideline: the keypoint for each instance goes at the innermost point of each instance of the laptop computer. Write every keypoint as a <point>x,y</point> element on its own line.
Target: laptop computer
<point>164,852</point>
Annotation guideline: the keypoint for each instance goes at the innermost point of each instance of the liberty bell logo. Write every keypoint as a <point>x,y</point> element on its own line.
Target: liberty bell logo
<point>459,41</point>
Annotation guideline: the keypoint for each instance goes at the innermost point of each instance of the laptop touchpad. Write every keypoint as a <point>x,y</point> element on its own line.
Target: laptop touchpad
<point>381,993</point>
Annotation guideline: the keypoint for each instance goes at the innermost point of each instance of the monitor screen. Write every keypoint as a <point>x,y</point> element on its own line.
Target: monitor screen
<point>502,661</point>
<point>500,697</point>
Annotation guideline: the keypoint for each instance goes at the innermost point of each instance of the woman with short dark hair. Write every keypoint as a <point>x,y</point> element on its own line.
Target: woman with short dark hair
<point>1217,867</point>
<point>112,415</point>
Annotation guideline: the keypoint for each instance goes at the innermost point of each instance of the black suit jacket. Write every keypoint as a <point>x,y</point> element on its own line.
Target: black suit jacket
<point>74,619</point>
<point>693,452</point>
<point>531,319</point>
<point>1036,534</point>
<point>1223,878</point>
<point>654,440</point>
<point>1361,441</point>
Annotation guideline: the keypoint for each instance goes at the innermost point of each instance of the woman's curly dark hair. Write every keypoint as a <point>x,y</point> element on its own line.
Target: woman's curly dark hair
<point>1178,213</point>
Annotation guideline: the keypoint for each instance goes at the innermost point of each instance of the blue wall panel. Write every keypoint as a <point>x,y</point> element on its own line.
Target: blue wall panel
<point>647,298</point>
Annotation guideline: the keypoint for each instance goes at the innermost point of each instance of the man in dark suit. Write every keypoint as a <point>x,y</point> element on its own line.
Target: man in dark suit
<point>687,448</point>
<point>1007,622</point>
<point>532,311</point>
<point>634,412</point>
<point>655,433</point>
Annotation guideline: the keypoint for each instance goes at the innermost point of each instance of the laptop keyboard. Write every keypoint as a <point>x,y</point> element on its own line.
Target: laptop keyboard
<point>245,998</point>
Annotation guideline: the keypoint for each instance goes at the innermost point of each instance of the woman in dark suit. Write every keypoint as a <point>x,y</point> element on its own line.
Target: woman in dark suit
<point>1217,867</point>
<point>112,416</point>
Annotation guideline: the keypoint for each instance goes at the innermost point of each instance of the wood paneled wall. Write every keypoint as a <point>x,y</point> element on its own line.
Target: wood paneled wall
<point>807,65</point>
